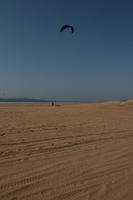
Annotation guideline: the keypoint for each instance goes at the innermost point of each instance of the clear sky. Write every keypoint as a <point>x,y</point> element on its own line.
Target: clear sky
<point>95,63</point>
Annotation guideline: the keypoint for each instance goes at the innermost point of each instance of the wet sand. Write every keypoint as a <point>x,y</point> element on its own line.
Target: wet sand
<point>67,152</point>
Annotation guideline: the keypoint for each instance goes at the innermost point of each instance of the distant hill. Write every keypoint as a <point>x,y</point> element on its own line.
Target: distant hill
<point>21,100</point>
<point>127,101</point>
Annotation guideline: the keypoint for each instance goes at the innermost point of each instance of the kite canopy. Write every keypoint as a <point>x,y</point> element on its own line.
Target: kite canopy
<point>67,26</point>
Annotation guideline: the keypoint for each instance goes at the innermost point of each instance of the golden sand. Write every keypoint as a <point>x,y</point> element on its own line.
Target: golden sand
<point>67,152</point>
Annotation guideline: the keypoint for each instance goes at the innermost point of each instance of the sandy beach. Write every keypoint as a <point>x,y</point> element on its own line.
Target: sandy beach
<point>66,152</point>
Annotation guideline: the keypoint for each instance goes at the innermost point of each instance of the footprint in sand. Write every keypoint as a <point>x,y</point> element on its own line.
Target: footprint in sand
<point>100,192</point>
<point>2,134</point>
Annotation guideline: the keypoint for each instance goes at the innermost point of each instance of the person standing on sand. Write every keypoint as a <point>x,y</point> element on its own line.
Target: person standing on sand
<point>52,103</point>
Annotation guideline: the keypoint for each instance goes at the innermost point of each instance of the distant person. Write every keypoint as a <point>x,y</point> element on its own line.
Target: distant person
<point>52,103</point>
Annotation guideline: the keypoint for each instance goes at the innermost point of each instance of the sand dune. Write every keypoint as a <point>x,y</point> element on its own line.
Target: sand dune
<point>129,101</point>
<point>70,152</point>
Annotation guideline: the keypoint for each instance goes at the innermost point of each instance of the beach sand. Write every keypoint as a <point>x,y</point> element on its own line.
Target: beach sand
<point>67,152</point>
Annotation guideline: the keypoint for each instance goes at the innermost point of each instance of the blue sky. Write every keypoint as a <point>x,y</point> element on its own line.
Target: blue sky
<point>95,63</point>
